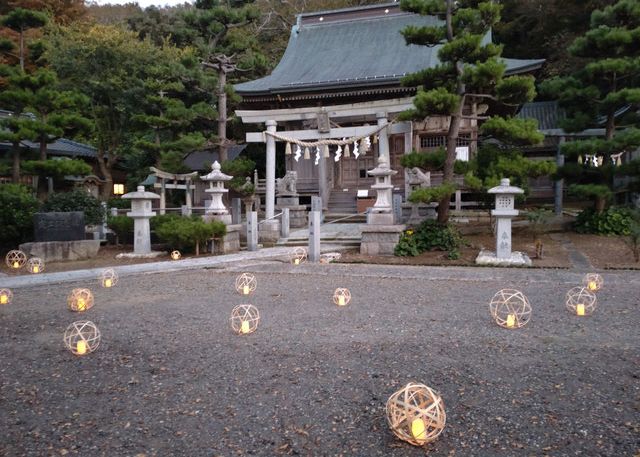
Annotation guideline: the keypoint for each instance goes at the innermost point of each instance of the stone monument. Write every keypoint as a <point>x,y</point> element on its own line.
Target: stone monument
<point>141,213</point>
<point>504,212</point>
<point>60,236</point>
<point>380,235</point>
<point>288,197</point>
<point>217,211</point>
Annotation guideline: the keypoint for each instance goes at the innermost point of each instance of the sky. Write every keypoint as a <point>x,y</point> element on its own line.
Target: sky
<point>143,3</point>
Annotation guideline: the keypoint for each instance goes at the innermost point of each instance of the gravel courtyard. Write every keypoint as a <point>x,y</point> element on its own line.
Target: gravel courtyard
<point>171,379</point>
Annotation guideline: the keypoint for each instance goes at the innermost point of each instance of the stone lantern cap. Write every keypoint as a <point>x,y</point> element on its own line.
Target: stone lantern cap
<point>216,174</point>
<point>505,188</point>
<point>140,194</point>
<point>382,169</point>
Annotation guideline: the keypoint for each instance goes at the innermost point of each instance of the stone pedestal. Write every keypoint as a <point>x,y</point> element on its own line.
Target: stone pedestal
<point>269,231</point>
<point>231,241</point>
<point>53,251</point>
<point>380,239</point>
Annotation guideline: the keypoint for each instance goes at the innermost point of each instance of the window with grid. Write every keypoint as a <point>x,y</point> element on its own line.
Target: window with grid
<point>431,142</point>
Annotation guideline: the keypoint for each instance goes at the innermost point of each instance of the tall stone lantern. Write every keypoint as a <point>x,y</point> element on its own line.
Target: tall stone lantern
<point>505,211</point>
<point>216,209</point>
<point>380,235</point>
<point>141,213</point>
<point>382,211</point>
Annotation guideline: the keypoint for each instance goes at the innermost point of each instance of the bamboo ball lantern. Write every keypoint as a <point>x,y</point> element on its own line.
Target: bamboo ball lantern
<point>175,255</point>
<point>416,414</point>
<point>6,296</point>
<point>581,302</point>
<point>510,308</point>
<point>35,265</point>
<point>298,255</point>
<point>341,296</point>
<point>80,300</point>
<point>82,337</point>
<point>245,319</point>
<point>593,282</point>
<point>108,278</point>
<point>15,259</point>
<point>246,284</point>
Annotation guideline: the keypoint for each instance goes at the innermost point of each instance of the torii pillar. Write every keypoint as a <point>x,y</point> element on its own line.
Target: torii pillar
<point>270,228</point>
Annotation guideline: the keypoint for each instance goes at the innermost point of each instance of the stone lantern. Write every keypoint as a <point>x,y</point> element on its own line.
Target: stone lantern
<point>382,211</point>
<point>504,212</point>
<point>141,213</point>
<point>216,209</point>
<point>380,235</point>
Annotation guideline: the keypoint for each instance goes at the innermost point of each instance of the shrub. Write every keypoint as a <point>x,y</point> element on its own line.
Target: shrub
<point>430,236</point>
<point>57,168</point>
<point>240,168</point>
<point>16,218</point>
<point>120,203</point>
<point>76,200</point>
<point>122,226</point>
<point>185,234</point>
<point>157,221</point>
<point>613,221</point>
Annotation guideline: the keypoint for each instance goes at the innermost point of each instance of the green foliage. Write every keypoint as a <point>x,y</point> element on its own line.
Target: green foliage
<point>122,226</point>
<point>185,234</point>
<point>613,221</point>
<point>431,194</point>
<point>76,200</point>
<point>57,168</point>
<point>426,160</point>
<point>430,236</point>
<point>591,191</point>
<point>16,217</point>
<point>240,168</point>
<point>119,203</point>
<point>160,219</point>
<point>513,131</point>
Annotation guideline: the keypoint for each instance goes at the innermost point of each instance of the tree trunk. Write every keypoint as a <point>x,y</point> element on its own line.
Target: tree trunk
<point>601,203</point>
<point>105,171</point>
<point>222,114</point>
<point>15,170</point>
<point>22,49</point>
<point>43,149</point>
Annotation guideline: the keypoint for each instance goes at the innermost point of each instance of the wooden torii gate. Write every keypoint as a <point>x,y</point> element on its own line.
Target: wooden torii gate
<point>170,181</point>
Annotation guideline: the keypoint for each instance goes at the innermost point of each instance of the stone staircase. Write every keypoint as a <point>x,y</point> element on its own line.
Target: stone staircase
<point>343,204</point>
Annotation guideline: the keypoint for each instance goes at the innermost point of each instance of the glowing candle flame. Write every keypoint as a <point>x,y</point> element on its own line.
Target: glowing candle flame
<point>245,290</point>
<point>592,285</point>
<point>81,304</point>
<point>341,301</point>
<point>511,320</point>
<point>16,264</point>
<point>418,430</point>
<point>580,309</point>
<point>81,347</point>
<point>36,269</point>
<point>244,328</point>
<point>4,299</point>
<point>296,261</point>
<point>108,283</point>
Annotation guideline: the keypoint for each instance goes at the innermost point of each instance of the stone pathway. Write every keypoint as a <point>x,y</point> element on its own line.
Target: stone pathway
<point>578,259</point>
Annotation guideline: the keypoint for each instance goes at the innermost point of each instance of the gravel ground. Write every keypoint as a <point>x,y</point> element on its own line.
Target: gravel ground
<point>171,379</point>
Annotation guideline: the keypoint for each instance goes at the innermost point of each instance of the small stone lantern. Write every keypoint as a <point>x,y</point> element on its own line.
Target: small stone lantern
<point>141,213</point>
<point>504,212</point>
<point>382,211</point>
<point>216,209</point>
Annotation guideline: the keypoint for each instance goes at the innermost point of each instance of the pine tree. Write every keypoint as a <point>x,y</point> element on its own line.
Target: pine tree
<point>217,30</point>
<point>20,20</point>
<point>470,72</point>
<point>606,92</point>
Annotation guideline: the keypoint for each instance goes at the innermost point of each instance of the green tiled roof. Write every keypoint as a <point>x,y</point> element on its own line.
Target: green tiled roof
<point>365,50</point>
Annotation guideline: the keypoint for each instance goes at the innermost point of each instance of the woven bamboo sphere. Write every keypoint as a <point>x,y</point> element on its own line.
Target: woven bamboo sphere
<point>581,302</point>
<point>16,259</point>
<point>6,296</point>
<point>245,319</point>
<point>35,265</point>
<point>593,282</point>
<point>175,255</point>
<point>246,284</point>
<point>82,337</point>
<point>298,255</point>
<point>510,308</point>
<point>108,278</point>
<point>80,300</point>
<point>341,296</point>
<point>416,414</point>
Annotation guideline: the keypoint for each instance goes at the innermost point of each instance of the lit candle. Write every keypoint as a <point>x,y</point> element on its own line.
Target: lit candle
<point>244,328</point>
<point>108,283</point>
<point>418,430</point>
<point>81,304</point>
<point>580,309</point>
<point>36,269</point>
<point>511,320</point>
<point>4,299</point>
<point>592,285</point>
<point>245,290</point>
<point>296,261</point>
<point>81,347</point>
<point>16,264</point>
<point>341,300</point>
